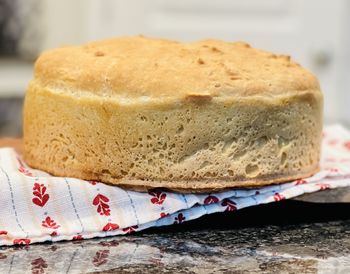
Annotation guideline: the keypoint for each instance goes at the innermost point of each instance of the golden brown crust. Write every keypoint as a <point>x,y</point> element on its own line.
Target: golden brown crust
<point>212,186</point>
<point>194,186</point>
<point>144,113</point>
<point>139,66</point>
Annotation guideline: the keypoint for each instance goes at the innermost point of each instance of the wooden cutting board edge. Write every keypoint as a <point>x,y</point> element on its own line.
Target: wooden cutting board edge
<point>12,142</point>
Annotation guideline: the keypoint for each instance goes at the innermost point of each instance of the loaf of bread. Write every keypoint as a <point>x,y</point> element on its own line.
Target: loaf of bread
<point>192,117</point>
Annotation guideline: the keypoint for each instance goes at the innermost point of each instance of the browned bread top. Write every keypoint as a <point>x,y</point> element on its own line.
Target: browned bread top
<point>138,66</point>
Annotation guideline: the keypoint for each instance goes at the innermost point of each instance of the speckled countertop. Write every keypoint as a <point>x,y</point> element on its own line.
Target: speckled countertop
<point>286,237</point>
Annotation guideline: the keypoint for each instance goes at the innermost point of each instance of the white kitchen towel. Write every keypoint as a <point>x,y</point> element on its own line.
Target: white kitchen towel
<point>38,207</point>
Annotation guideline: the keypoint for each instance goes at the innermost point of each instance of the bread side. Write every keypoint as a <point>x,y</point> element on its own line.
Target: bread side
<point>199,143</point>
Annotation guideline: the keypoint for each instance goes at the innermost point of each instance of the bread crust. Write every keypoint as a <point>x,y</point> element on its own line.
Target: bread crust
<point>133,67</point>
<point>196,117</point>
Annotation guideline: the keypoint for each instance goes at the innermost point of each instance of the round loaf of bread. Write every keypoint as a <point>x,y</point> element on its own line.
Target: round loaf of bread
<point>192,117</point>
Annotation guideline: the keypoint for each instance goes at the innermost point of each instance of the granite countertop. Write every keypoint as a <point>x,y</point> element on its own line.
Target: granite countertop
<point>285,237</point>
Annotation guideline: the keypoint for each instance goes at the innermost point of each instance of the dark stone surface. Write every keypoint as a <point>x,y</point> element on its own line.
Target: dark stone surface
<point>285,237</point>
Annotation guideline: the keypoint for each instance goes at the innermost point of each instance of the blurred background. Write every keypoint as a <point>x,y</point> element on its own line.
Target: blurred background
<point>315,32</point>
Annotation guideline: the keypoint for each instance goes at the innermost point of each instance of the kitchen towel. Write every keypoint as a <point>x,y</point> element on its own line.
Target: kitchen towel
<point>37,207</point>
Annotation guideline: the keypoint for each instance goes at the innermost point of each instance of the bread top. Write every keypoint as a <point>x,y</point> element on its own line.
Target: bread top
<point>153,68</point>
